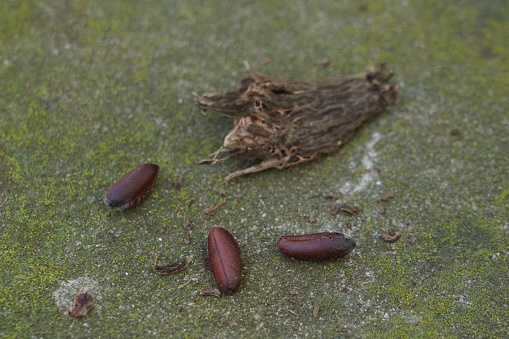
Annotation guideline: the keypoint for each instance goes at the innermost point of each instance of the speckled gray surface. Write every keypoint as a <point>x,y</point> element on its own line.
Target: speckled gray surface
<point>92,89</point>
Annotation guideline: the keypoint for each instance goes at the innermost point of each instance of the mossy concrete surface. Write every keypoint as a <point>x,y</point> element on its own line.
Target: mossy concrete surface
<point>91,89</point>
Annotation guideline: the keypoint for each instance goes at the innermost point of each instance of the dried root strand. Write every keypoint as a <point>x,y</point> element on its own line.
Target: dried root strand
<point>282,123</point>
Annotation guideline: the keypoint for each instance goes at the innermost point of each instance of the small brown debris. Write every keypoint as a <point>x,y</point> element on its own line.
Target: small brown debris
<point>380,199</point>
<point>210,291</point>
<point>293,291</point>
<point>171,268</point>
<point>350,208</point>
<point>267,60</point>
<point>188,224</point>
<point>455,132</point>
<point>177,185</point>
<point>220,191</point>
<point>326,63</point>
<point>189,202</point>
<point>316,310</point>
<point>81,305</point>
<point>214,207</point>
<point>333,206</point>
<point>312,218</point>
<point>412,239</point>
<point>186,283</point>
<point>294,313</point>
<point>392,236</point>
<point>384,197</point>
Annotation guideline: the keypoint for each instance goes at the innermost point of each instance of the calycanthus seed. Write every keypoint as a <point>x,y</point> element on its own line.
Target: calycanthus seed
<point>224,255</point>
<point>316,246</point>
<point>130,189</point>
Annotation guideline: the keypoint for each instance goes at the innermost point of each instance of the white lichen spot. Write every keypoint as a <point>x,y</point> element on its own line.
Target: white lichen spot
<point>368,162</point>
<point>65,294</point>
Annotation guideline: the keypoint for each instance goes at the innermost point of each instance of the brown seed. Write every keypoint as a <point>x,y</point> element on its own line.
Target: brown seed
<point>128,191</point>
<point>224,255</point>
<point>316,246</point>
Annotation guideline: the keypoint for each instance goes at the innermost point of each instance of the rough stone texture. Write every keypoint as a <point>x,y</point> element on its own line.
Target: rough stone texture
<point>91,89</point>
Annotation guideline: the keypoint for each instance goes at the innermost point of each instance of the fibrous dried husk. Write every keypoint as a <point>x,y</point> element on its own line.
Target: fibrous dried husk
<point>281,123</point>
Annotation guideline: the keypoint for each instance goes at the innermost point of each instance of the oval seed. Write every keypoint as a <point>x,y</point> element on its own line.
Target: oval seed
<point>128,191</point>
<point>316,246</point>
<point>224,255</point>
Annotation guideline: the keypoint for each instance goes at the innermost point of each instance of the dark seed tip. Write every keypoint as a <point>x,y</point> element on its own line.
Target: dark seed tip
<point>132,187</point>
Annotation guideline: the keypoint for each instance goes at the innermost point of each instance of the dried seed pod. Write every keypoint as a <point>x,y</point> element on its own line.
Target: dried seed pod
<point>128,191</point>
<point>316,246</point>
<point>224,255</point>
<point>281,123</point>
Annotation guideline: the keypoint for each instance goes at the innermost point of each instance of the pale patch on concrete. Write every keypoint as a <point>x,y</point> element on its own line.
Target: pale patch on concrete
<point>368,162</point>
<point>64,295</point>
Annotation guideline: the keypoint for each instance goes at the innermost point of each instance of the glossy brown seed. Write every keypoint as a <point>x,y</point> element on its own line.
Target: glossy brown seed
<point>316,246</point>
<point>128,191</point>
<point>224,255</point>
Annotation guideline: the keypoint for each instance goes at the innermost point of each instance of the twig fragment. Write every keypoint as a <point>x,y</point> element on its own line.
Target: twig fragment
<point>214,207</point>
<point>171,268</point>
